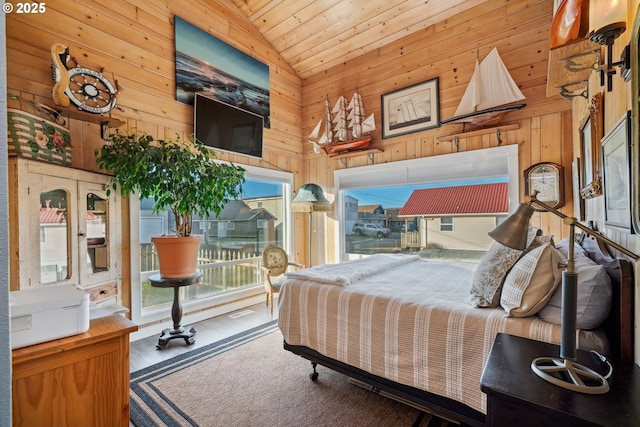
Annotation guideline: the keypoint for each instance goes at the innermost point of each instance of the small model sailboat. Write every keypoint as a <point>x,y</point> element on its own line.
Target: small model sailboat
<point>490,95</point>
<point>345,127</point>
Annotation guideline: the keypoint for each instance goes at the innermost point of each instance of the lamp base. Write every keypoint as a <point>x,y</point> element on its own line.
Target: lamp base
<point>569,375</point>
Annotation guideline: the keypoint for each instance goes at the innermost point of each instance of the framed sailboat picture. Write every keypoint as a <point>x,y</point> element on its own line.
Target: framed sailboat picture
<point>412,109</point>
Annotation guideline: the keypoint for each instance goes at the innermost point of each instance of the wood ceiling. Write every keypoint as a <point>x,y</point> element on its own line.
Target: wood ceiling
<point>314,35</point>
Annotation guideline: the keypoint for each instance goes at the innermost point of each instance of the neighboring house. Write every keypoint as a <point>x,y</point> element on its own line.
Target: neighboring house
<point>400,224</point>
<point>238,225</point>
<point>371,214</point>
<point>275,206</point>
<point>350,213</point>
<point>458,217</point>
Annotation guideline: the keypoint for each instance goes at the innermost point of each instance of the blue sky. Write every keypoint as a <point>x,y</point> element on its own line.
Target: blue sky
<point>388,197</point>
<point>254,188</point>
<point>396,197</point>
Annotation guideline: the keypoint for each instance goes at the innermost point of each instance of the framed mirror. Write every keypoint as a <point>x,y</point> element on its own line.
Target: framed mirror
<point>635,130</point>
<point>591,131</point>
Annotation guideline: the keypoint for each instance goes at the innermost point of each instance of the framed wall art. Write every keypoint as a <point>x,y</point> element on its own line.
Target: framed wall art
<point>578,201</point>
<point>590,135</point>
<point>412,109</point>
<point>208,65</point>
<point>616,172</point>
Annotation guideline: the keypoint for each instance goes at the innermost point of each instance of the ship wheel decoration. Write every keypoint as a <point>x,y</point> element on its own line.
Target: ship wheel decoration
<point>88,89</point>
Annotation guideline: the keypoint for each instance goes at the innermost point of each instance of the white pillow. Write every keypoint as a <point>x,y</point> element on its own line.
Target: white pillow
<point>532,281</point>
<point>488,277</point>
<point>594,295</point>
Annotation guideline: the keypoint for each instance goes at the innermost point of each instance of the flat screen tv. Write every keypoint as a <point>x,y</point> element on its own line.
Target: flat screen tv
<point>228,128</point>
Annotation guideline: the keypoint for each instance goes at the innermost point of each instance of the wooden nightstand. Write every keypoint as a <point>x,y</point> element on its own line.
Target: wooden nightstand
<point>517,396</point>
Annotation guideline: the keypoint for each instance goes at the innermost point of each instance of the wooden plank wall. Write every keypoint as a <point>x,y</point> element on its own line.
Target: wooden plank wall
<point>448,50</point>
<point>616,103</point>
<point>134,42</point>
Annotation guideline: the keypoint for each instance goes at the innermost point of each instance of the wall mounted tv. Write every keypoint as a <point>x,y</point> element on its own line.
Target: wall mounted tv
<point>227,128</point>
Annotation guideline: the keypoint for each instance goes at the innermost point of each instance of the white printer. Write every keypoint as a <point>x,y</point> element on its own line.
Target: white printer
<point>45,314</point>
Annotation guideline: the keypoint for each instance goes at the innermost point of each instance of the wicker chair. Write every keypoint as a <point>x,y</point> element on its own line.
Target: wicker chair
<point>274,264</point>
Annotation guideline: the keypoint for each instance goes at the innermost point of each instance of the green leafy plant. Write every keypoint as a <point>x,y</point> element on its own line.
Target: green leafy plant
<point>179,174</point>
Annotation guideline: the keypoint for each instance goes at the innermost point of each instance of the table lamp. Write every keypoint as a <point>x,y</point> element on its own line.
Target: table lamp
<point>310,198</point>
<point>563,371</point>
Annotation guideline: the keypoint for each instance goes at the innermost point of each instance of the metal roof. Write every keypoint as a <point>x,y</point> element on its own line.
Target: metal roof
<point>460,200</point>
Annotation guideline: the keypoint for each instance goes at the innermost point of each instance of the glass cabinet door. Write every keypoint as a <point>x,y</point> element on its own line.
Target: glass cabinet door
<point>96,226</point>
<point>95,246</point>
<point>55,233</point>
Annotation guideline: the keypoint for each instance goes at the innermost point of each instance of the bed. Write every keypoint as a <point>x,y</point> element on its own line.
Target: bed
<point>405,327</point>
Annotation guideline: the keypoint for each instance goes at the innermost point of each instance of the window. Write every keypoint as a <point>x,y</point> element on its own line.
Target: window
<point>229,255</point>
<point>376,194</point>
<point>446,223</point>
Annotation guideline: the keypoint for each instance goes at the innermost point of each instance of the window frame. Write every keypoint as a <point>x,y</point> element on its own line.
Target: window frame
<point>494,162</point>
<point>449,224</point>
<point>222,303</point>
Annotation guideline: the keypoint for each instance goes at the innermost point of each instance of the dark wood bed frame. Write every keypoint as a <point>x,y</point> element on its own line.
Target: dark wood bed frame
<point>618,327</point>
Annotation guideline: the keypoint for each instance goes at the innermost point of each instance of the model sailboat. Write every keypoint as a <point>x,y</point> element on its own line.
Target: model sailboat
<point>345,127</point>
<point>490,95</point>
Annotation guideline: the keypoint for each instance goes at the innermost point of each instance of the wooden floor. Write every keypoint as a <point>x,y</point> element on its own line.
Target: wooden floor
<point>144,352</point>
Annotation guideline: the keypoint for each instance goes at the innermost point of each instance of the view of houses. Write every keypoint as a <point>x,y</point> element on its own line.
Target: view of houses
<point>455,218</point>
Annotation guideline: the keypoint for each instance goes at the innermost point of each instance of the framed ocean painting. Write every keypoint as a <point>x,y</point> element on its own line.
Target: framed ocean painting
<point>216,69</point>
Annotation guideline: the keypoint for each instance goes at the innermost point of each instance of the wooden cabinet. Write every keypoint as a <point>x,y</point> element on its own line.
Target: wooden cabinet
<point>81,380</point>
<point>63,228</point>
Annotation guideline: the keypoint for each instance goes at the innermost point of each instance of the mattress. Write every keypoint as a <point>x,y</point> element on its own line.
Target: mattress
<point>409,321</point>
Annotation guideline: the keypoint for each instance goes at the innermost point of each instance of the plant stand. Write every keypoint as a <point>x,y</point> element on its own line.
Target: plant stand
<point>186,332</point>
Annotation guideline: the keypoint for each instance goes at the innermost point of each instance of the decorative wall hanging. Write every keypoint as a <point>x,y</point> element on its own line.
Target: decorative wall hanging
<point>412,109</point>
<point>578,201</point>
<point>616,175</point>
<point>31,135</point>
<point>490,94</point>
<point>591,130</point>
<point>206,64</point>
<point>346,127</point>
<point>87,89</point>
<point>570,23</point>
<point>548,180</point>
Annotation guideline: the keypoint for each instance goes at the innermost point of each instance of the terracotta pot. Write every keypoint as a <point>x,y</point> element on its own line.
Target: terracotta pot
<point>178,256</point>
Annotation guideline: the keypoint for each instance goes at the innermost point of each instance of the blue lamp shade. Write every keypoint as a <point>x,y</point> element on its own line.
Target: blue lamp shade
<point>310,198</point>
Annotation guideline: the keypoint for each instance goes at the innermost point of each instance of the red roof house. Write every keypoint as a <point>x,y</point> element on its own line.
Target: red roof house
<point>457,217</point>
<point>474,199</point>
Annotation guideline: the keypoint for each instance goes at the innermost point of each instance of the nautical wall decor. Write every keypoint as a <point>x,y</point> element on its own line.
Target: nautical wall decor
<point>490,94</point>
<point>346,127</point>
<point>87,89</point>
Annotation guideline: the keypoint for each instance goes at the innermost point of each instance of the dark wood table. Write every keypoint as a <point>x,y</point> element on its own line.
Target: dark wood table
<point>178,331</point>
<point>517,396</point>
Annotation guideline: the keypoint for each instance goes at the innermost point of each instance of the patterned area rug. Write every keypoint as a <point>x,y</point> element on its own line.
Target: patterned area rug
<point>250,380</point>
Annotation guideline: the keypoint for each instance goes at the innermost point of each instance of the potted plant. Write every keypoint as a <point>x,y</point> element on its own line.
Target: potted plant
<point>177,174</point>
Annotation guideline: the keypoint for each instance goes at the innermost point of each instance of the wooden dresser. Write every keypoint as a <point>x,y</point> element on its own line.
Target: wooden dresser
<point>81,380</point>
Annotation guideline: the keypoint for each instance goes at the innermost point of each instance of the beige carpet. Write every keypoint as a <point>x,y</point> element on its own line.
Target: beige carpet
<point>250,380</point>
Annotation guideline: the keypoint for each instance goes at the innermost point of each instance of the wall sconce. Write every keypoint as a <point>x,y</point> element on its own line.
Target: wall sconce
<point>607,20</point>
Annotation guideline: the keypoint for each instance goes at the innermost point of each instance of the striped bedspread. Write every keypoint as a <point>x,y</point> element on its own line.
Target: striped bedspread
<point>412,324</point>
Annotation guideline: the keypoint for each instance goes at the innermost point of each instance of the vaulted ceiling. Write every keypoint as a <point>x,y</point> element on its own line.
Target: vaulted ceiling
<point>314,35</point>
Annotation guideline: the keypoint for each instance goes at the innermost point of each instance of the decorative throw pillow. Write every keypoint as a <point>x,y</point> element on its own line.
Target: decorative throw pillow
<point>563,246</point>
<point>594,295</point>
<point>493,267</point>
<point>532,281</point>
